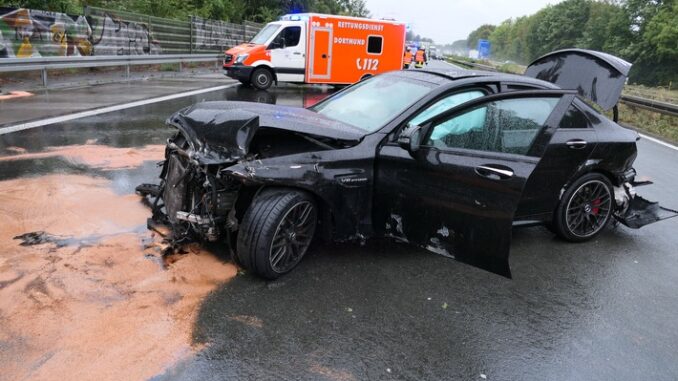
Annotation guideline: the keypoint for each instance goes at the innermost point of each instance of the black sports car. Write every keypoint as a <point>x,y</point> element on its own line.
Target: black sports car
<point>449,161</point>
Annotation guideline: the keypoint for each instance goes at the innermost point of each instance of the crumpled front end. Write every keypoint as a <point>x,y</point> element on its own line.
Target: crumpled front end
<point>224,152</point>
<point>194,200</point>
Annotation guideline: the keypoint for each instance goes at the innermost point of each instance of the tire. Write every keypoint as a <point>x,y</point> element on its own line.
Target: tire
<point>262,78</point>
<point>276,232</point>
<point>585,208</point>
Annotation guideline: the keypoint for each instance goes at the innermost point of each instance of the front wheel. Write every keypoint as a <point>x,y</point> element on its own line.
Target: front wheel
<point>585,208</point>
<point>262,78</point>
<point>276,231</point>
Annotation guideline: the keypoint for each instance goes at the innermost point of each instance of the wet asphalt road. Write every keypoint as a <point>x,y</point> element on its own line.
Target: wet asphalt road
<point>600,310</point>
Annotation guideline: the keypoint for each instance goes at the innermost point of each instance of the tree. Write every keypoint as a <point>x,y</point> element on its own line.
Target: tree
<point>644,32</point>
<point>482,33</point>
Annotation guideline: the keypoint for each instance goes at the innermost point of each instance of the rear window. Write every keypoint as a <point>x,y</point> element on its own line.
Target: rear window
<point>374,44</point>
<point>574,118</point>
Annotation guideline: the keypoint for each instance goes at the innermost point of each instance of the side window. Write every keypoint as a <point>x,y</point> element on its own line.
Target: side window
<point>506,126</point>
<point>445,104</point>
<point>374,44</point>
<point>287,38</point>
<point>574,118</point>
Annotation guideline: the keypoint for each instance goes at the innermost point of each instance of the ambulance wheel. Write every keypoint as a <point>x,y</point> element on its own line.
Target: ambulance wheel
<point>585,208</point>
<point>262,78</point>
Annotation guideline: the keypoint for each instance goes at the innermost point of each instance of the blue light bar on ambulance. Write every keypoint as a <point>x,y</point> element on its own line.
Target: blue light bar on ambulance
<point>294,17</point>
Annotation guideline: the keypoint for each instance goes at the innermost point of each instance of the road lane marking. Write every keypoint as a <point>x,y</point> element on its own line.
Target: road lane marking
<point>655,140</point>
<point>107,109</point>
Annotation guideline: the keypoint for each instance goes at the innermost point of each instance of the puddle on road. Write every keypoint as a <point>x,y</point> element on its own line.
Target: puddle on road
<point>87,302</point>
<point>93,155</point>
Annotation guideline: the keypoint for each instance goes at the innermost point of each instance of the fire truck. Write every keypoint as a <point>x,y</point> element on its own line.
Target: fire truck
<point>317,48</point>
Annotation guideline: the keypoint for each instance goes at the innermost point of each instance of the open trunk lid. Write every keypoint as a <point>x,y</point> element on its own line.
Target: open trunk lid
<point>597,76</point>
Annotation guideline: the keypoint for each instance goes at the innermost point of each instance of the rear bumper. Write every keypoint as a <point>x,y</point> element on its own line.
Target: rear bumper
<point>239,72</point>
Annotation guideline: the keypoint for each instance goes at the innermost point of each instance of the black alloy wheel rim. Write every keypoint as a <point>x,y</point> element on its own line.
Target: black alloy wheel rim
<point>292,237</point>
<point>262,79</point>
<point>589,209</point>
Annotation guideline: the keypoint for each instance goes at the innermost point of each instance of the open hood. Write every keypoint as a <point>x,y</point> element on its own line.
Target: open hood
<point>222,131</point>
<point>597,76</point>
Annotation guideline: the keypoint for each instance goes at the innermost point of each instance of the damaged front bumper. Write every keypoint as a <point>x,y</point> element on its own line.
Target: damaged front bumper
<point>194,201</point>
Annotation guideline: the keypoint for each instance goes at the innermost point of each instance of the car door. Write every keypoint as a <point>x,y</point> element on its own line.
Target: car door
<point>288,52</point>
<point>566,154</point>
<point>457,193</point>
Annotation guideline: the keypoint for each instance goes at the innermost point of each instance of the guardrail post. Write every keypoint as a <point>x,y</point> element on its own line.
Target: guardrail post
<point>190,44</point>
<point>181,66</point>
<point>127,71</point>
<point>44,77</point>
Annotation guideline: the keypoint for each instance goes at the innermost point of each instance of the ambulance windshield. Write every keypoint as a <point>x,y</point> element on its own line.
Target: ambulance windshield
<point>370,104</point>
<point>265,34</point>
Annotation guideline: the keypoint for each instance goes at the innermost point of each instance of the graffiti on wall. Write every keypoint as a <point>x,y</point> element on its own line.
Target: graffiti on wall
<point>212,34</point>
<point>118,37</point>
<point>32,33</point>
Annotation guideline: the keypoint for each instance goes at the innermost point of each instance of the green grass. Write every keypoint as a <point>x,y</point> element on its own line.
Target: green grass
<point>510,68</point>
<point>664,94</point>
<point>662,126</point>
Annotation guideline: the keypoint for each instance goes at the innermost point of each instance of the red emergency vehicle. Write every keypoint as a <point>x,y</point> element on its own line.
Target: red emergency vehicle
<point>317,48</point>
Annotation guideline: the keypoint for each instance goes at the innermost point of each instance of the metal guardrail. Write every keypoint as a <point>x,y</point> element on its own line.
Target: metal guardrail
<point>650,104</point>
<point>659,107</point>
<point>471,64</point>
<point>48,63</point>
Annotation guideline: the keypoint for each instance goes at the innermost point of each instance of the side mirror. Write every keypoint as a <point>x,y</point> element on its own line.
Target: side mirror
<point>410,138</point>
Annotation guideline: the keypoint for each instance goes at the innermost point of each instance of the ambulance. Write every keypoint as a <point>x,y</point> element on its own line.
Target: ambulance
<point>317,48</point>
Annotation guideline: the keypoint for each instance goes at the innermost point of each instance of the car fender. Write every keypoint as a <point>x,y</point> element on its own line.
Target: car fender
<point>339,190</point>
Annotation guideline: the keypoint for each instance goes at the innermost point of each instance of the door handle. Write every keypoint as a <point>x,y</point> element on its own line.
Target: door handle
<point>576,143</point>
<point>324,56</point>
<point>494,173</point>
<point>297,53</point>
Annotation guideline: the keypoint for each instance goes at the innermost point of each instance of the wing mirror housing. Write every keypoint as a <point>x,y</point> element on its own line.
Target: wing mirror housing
<point>410,138</point>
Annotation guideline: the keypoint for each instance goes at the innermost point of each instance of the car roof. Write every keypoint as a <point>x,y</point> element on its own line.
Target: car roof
<point>448,76</point>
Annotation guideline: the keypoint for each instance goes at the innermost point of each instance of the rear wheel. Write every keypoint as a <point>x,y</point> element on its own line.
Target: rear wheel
<point>276,231</point>
<point>262,78</point>
<point>585,208</point>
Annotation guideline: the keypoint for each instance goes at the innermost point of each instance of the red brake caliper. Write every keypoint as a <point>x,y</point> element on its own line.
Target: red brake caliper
<point>596,206</point>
